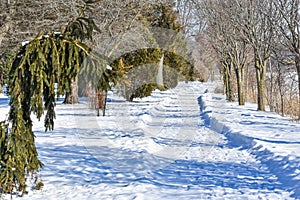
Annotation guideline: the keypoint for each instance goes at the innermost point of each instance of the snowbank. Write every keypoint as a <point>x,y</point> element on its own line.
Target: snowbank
<point>272,139</point>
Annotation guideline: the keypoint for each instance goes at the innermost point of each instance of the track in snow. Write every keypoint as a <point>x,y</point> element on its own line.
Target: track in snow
<point>155,147</point>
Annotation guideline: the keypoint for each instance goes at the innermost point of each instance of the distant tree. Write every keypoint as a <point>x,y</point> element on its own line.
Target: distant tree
<point>139,71</point>
<point>5,24</point>
<point>238,25</point>
<point>193,23</point>
<point>162,30</point>
<point>256,27</point>
<point>219,32</point>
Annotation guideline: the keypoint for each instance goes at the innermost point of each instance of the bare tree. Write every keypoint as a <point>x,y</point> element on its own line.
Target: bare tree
<point>256,27</point>
<point>190,13</point>
<point>223,29</point>
<point>289,29</point>
<point>193,23</point>
<point>22,20</point>
<point>28,18</point>
<point>217,30</point>
<point>205,58</point>
<point>238,47</point>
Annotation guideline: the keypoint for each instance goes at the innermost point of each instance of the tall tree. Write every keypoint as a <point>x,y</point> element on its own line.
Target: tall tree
<point>154,34</point>
<point>240,25</point>
<point>257,29</point>
<point>238,47</point>
<point>288,25</point>
<point>220,33</point>
<point>39,64</point>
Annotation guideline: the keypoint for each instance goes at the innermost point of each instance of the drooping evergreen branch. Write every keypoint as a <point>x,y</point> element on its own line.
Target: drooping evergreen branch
<point>49,59</point>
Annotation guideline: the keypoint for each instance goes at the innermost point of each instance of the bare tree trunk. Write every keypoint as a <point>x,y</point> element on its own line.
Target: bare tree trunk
<point>212,74</point>
<point>228,81</point>
<point>281,101</point>
<point>240,85</point>
<point>100,102</point>
<point>271,97</point>
<point>297,63</point>
<point>261,84</point>
<point>280,84</point>
<point>72,96</point>
<point>3,31</point>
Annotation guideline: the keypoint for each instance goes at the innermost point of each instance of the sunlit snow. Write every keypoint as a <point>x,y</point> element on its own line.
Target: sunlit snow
<point>184,143</point>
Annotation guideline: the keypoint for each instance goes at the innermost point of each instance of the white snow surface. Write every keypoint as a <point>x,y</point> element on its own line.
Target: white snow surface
<point>25,43</point>
<point>184,143</point>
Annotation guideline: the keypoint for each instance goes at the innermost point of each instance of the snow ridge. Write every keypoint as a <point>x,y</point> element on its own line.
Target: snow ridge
<point>284,166</point>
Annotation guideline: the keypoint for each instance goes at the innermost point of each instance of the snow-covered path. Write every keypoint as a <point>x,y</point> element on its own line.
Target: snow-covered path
<point>154,148</point>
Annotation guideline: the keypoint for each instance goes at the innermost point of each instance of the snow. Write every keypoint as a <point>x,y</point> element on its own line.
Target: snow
<point>184,143</point>
<point>108,67</point>
<point>4,101</point>
<point>272,139</point>
<point>25,43</point>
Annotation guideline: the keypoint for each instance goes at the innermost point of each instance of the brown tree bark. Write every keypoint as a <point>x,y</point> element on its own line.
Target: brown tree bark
<point>72,96</point>
<point>228,80</point>
<point>261,84</point>
<point>297,63</point>
<point>240,85</point>
<point>100,102</point>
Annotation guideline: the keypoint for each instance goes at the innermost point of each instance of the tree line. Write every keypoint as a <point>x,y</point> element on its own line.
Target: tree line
<point>254,44</point>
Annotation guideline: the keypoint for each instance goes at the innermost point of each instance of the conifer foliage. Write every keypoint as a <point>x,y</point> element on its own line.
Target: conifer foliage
<point>49,59</point>
<point>58,58</point>
<point>164,31</point>
<point>136,71</point>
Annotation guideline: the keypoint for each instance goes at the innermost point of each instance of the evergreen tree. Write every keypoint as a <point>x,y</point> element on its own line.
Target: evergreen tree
<point>138,71</point>
<point>48,59</point>
<point>164,31</point>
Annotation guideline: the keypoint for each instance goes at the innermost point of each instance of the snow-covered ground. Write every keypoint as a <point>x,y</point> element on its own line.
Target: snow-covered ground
<point>185,143</point>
